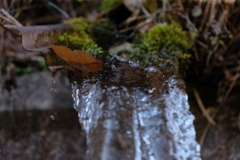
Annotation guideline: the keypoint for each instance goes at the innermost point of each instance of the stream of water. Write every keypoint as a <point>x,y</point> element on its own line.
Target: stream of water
<point>135,113</point>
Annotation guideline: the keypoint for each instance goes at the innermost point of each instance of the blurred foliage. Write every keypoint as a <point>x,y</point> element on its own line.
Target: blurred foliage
<point>32,67</point>
<point>151,5</point>
<point>106,4</point>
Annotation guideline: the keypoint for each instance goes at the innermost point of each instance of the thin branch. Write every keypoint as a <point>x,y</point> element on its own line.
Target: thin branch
<point>205,113</point>
<point>6,19</point>
<point>107,10</point>
<point>201,44</point>
<point>11,17</point>
<point>206,11</point>
<point>59,9</point>
<point>220,106</point>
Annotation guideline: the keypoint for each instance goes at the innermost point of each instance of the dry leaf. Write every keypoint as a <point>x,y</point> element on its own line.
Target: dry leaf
<point>78,59</point>
<point>37,37</point>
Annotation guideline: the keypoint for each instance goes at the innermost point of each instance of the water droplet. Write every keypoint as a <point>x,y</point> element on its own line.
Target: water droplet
<point>151,90</point>
<point>52,90</point>
<point>52,117</point>
<point>144,99</point>
<point>53,80</point>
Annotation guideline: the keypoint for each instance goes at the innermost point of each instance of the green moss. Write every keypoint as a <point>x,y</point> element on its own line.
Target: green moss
<point>106,4</point>
<point>162,44</point>
<point>81,36</point>
<point>168,38</point>
<point>93,49</point>
<point>151,5</point>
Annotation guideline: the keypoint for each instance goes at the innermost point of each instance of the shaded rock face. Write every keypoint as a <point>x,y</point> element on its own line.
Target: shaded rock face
<point>222,140</point>
<point>33,92</point>
<point>134,113</point>
<point>27,129</point>
<point>32,135</point>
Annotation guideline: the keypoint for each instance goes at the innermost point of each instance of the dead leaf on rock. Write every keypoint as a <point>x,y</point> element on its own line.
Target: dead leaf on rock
<point>36,38</point>
<point>78,59</point>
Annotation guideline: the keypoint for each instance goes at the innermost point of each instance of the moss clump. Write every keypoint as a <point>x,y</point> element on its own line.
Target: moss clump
<point>81,36</point>
<point>164,41</point>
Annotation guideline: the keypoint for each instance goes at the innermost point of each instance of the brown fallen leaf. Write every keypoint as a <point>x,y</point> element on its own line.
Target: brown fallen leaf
<point>78,59</point>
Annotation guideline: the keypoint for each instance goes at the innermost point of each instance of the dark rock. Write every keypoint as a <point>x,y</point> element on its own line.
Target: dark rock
<point>33,92</point>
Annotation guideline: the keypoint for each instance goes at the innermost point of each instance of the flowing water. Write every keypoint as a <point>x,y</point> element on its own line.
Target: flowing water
<point>134,113</point>
<point>128,112</point>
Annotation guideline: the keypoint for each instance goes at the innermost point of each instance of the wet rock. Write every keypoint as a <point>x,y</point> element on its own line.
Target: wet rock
<point>33,135</point>
<point>33,92</point>
<point>27,129</point>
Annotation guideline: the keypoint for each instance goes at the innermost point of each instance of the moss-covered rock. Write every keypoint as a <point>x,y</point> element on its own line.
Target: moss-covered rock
<point>81,36</point>
<point>164,43</point>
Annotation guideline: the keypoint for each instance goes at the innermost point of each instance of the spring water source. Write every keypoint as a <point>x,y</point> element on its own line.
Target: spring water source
<point>134,113</point>
<point>128,112</point>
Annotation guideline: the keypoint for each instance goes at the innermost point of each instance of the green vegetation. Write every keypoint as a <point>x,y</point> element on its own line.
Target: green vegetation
<point>81,36</point>
<point>106,4</point>
<point>32,67</point>
<point>163,41</point>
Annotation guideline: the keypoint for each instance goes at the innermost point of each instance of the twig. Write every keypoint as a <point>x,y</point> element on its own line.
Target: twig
<point>204,134</point>
<point>144,10</point>
<point>137,26</point>
<point>133,18</point>
<point>59,9</point>
<point>10,17</point>
<point>27,8</point>
<point>205,113</point>
<point>206,11</point>
<point>6,19</point>
<point>107,10</point>
<point>189,23</point>
<point>1,48</point>
<point>201,44</point>
<point>226,63</point>
<point>212,12</point>
<point>231,85</point>
<point>196,55</point>
<point>164,8</point>
<point>220,106</point>
<point>210,53</point>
